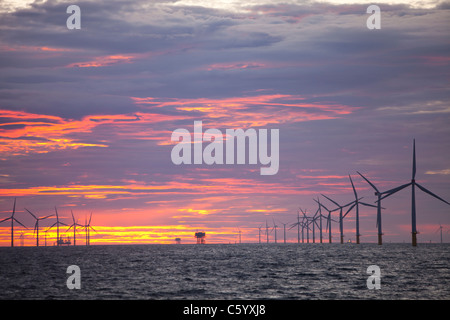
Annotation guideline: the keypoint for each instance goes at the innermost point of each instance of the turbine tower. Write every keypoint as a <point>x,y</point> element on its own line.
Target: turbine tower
<point>440,228</point>
<point>284,228</point>
<point>413,185</point>
<point>12,223</point>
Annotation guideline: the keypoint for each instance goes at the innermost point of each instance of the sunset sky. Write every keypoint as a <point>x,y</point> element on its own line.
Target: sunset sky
<point>86,116</point>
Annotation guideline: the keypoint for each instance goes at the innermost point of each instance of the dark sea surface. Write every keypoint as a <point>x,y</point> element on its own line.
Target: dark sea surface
<point>227,271</point>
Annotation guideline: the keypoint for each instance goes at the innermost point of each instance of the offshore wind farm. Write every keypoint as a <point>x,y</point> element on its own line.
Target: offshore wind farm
<point>305,221</point>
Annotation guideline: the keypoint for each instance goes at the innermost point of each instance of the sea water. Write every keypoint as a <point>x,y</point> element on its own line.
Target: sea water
<point>227,271</point>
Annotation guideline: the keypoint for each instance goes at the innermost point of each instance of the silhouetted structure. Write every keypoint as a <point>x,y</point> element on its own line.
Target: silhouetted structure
<point>200,237</point>
<point>177,240</point>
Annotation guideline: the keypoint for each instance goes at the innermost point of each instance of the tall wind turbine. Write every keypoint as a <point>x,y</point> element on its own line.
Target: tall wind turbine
<point>356,205</point>
<point>298,224</point>
<point>267,232</point>
<point>36,225</point>
<point>329,219</point>
<point>12,223</point>
<point>440,228</point>
<point>57,223</point>
<point>275,228</point>
<point>413,184</point>
<point>259,234</point>
<point>341,219</point>
<point>379,196</point>
<point>74,226</point>
<point>314,223</point>
<point>239,230</point>
<point>284,228</point>
<point>320,218</point>
<point>306,225</point>
<point>87,227</point>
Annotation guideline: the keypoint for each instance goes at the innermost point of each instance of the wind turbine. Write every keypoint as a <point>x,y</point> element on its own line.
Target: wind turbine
<point>87,227</point>
<point>267,232</point>
<point>440,228</point>
<point>341,219</point>
<point>12,223</point>
<point>298,224</point>
<point>306,225</point>
<point>356,205</point>
<point>328,226</point>
<point>320,219</point>
<point>314,222</point>
<point>329,219</point>
<point>259,234</point>
<point>275,228</point>
<point>413,184</point>
<point>379,196</point>
<point>239,231</point>
<point>57,223</point>
<point>36,225</point>
<point>74,225</point>
<point>284,228</point>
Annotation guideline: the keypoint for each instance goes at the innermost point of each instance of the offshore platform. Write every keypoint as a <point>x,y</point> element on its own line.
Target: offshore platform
<point>200,237</point>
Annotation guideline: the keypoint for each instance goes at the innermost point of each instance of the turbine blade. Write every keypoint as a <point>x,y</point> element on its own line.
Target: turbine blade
<point>323,206</point>
<point>5,219</point>
<point>14,208</point>
<point>31,213</point>
<point>394,190</point>
<point>46,217</point>
<point>73,218</point>
<point>51,227</point>
<point>373,186</point>
<point>354,201</point>
<point>368,205</point>
<point>431,193</point>
<point>353,186</point>
<point>19,223</point>
<point>294,225</point>
<point>90,217</point>
<point>331,200</point>
<point>349,209</point>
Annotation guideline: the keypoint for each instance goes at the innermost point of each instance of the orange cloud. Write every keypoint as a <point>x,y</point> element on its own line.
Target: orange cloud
<point>22,132</point>
<point>253,111</point>
<point>103,61</point>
